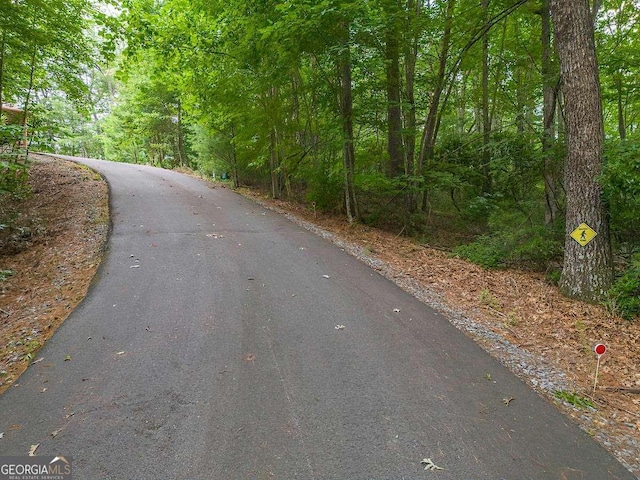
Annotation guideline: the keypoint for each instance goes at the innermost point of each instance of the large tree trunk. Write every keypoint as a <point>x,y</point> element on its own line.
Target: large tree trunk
<point>587,272</point>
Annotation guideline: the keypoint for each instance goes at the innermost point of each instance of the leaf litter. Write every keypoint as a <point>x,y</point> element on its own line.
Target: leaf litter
<point>429,465</point>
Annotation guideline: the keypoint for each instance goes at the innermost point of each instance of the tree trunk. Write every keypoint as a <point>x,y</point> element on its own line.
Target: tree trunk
<point>410,57</point>
<point>549,82</point>
<point>181,150</point>
<point>622,128</point>
<point>234,157</point>
<point>27,99</point>
<point>521,86</point>
<point>2,50</point>
<point>428,140</point>
<point>274,164</point>
<point>346,114</point>
<point>587,273</point>
<point>410,60</point>
<point>486,126</point>
<point>394,113</point>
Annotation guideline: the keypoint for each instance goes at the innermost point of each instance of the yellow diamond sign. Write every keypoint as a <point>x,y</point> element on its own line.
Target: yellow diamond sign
<point>583,234</point>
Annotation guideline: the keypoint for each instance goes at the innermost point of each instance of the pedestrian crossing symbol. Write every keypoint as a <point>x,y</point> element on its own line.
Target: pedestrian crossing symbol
<point>583,234</point>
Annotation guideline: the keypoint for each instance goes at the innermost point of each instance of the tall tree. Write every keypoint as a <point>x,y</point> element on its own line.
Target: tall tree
<point>549,83</point>
<point>346,113</point>
<point>395,147</point>
<point>486,124</point>
<point>587,272</point>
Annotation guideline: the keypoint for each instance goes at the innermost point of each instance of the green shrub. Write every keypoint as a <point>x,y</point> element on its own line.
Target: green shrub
<point>621,187</point>
<point>624,295</point>
<point>533,248</point>
<point>574,399</point>
<point>5,274</point>
<point>488,251</point>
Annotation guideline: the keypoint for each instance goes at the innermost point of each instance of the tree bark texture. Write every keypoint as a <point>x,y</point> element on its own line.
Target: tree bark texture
<point>587,273</point>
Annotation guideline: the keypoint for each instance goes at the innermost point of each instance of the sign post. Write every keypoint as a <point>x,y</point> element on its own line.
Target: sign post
<point>600,349</point>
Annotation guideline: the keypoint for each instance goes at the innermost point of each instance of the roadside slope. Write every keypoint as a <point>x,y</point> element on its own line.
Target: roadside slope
<point>53,246</point>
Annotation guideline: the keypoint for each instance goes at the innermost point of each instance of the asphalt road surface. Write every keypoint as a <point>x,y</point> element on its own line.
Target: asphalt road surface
<point>208,349</point>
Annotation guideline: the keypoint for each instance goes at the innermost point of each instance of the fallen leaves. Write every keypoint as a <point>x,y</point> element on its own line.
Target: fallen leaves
<point>507,400</point>
<point>340,327</point>
<point>429,465</point>
<point>32,450</point>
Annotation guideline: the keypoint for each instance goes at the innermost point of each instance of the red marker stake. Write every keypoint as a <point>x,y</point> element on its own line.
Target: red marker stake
<point>600,349</point>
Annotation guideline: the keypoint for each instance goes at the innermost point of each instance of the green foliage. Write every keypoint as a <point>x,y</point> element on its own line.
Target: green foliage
<point>5,274</point>
<point>534,247</point>
<point>254,90</point>
<point>488,251</point>
<point>489,300</point>
<point>621,186</point>
<point>9,135</point>
<point>13,171</point>
<point>624,296</point>
<point>13,177</point>
<point>326,191</point>
<point>572,398</point>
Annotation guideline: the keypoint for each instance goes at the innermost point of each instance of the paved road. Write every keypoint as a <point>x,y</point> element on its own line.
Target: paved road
<point>207,349</point>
